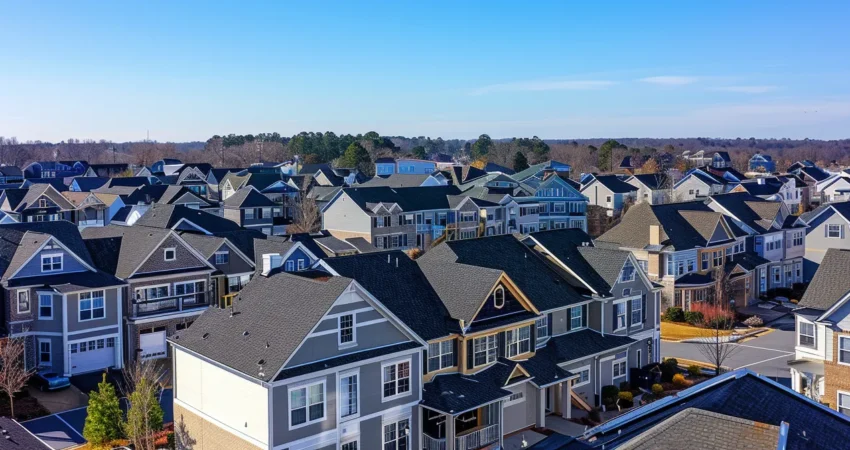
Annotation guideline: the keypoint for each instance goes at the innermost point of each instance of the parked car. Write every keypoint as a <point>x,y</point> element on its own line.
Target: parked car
<point>48,380</point>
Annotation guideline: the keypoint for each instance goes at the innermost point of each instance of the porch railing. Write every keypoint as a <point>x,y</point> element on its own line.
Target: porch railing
<point>169,304</point>
<point>429,443</point>
<point>478,438</point>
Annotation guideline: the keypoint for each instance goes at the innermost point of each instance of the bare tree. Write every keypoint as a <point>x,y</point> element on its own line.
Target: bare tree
<point>307,217</point>
<point>13,371</point>
<point>142,384</point>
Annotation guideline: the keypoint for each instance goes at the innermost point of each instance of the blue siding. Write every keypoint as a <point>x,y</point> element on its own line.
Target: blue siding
<point>33,267</point>
<point>296,255</point>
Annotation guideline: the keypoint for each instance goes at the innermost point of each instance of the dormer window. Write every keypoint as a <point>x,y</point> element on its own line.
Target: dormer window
<point>222,257</point>
<point>42,203</point>
<point>51,263</point>
<point>499,297</point>
<point>628,272</point>
<point>170,254</point>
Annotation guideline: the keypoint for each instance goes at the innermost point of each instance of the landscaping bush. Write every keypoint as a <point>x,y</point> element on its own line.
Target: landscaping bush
<point>694,370</point>
<point>594,415</point>
<point>609,394</point>
<point>679,381</point>
<point>754,321</point>
<point>626,399</point>
<point>674,314</point>
<point>712,312</point>
<point>719,322</point>
<point>669,368</point>
<point>694,317</point>
<point>657,390</point>
<point>625,386</point>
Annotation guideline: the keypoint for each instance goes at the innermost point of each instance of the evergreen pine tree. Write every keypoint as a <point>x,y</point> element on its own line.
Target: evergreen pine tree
<point>520,162</point>
<point>103,423</point>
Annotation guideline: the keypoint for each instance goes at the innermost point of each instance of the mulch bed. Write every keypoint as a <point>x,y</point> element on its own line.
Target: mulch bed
<point>26,407</point>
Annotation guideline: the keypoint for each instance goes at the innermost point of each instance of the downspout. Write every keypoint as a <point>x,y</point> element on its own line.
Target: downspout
<point>602,325</point>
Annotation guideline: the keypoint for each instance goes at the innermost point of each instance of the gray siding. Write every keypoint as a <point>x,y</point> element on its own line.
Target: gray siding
<point>280,403</point>
<point>326,346</point>
<point>522,414</point>
<point>817,243</point>
<point>185,259</point>
<point>33,267</point>
<point>235,263</point>
<point>110,318</point>
<point>344,215</point>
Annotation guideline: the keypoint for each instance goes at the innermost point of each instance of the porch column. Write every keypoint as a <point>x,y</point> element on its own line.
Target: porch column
<point>541,408</point>
<point>450,432</point>
<point>566,400</point>
<point>556,405</point>
<point>501,425</point>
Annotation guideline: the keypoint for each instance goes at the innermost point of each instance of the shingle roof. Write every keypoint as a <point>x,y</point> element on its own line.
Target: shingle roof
<point>615,184</point>
<point>397,180</point>
<point>815,173</point>
<point>36,191</point>
<point>248,197</point>
<point>679,227</point>
<point>581,344</point>
<point>408,198</point>
<point>88,183</point>
<point>830,282</point>
<point>757,213</point>
<point>166,216</point>
<point>16,437</point>
<point>19,241</point>
<point>768,186</point>
<point>269,322</point>
<point>455,393</point>
<point>653,181</point>
<point>131,245</point>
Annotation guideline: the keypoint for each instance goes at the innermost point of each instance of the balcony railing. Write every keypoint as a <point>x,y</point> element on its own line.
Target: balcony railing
<point>478,438</point>
<point>429,443</point>
<point>169,304</point>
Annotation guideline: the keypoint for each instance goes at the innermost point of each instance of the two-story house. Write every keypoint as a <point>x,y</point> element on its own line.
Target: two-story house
<point>558,201</point>
<point>653,188</point>
<point>69,311</point>
<point>836,188</point>
<point>697,184</point>
<point>609,192</point>
<point>168,282</point>
<point>38,203</point>
<point>93,209</point>
<point>389,166</point>
<point>776,189</point>
<point>249,208</point>
<point>762,163</point>
<point>339,371</point>
<point>821,367</point>
<point>826,228</point>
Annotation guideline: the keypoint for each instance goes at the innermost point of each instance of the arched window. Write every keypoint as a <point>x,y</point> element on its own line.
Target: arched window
<point>499,297</point>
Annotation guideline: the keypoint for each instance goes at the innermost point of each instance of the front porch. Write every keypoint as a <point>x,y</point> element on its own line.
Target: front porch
<point>470,430</point>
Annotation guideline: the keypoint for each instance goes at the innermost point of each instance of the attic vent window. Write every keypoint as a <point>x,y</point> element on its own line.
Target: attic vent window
<point>499,297</point>
<point>170,254</point>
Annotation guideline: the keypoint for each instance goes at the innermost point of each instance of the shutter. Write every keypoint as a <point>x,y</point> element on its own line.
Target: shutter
<point>454,352</point>
<point>628,314</point>
<point>424,361</point>
<point>569,319</point>
<point>533,335</point>
<point>643,307</point>
<point>584,315</point>
<point>614,317</point>
<point>500,344</point>
<point>549,321</point>
<point>469,360</point>
<point>374,222</point>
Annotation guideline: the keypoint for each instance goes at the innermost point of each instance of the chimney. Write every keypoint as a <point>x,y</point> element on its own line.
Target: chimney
<point>270,261</point>
<point>761,181</point>
<point>654,235</point>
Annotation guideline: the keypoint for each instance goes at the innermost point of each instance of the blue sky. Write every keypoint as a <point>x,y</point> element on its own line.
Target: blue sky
<point>559,69</point>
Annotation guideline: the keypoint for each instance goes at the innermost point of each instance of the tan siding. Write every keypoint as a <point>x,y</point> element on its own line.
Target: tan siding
<point>205,435</point>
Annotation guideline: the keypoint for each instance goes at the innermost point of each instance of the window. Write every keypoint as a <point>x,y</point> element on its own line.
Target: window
<point>396,379</point>
<point>607,199</point>
<point>542,326</point>
<point>51,263</point>
<point>235,284</point>
<point>619,369</point>
<point>290,266</point>
<point>705,261</point>
<point>499,297</point>
<point>349,445</point>
<point>518,341</point>
<point>514,399</point>
<point>396,435</point>
<point>170,254</point>
<point>44,354</point>
<point>45,306</point>
<point>559,207</point>
<point>833,231</point>
<point>798,239</point>
<point>718,258</point>
<point>440,355</point>
<point>807,334</point>
<point>576,321</point>
<point>221,257</point>
<point>42,203</point>
<point>484,350</point>
<point>844,349</point>
<point>637,312</point>
<point>249,213</point>
<point>307,404</point>
<point>301,264</point>
<point>468,217</point>
<point>620,315</point>
<point>777,275</point>
<point>844,403</point>
<point>346,329</point>
<point>583,376</point>
<point>189,290</point>
<point>628,272</point>
<point>691,263</point>
<point>92,306</point>
<point>348,395</point>
<point>23,302</point>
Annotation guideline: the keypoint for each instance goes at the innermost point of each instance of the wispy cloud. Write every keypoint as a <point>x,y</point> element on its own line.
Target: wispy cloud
<point>544,85</point>
<point>670,80</point>
<point>746,89</point>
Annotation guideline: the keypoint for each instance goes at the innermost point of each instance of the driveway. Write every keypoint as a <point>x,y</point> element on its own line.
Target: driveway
<point>65,430</point>
<point>768,354</point>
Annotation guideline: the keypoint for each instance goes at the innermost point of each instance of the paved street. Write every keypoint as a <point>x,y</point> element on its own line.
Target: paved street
<point>767,355</point>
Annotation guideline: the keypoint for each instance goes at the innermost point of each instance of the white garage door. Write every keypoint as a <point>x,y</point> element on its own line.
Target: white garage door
<point>88,356</point>
<point>153,345</point>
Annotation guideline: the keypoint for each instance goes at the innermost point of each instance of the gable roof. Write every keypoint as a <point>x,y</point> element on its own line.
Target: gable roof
<point>613,183</point>
<point>756,213</point>
<point>653,181</point>
<point>36,191</point>
<point>86,184</point>
<point>248,197</point>
<point>19,241</point>
<point>764,186</point>
<point>493,167</point>
<point>815,173</point>
<point>396,180</point>
<point>830,283</point>
<point>408,198</point>
<point>167,216</point>
<point>16,437</point>
<point>596,267</point>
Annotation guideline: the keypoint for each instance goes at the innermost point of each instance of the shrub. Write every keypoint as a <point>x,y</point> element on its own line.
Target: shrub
<point>103,423</point>
<point>626,399</point>
<point>625,386</point>
<point>694,317</point>
<point>669,368</point>
<point>609,394</point>
<point>679,381</point>
<point>657,390</point>
<point>695,370</point>
<point>719,322</point>
<point>712,312</point>
<point>594,415</point>
<point>754,321</point>
<point>674,314</point>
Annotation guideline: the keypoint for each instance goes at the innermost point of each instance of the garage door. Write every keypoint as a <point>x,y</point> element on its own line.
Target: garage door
<point>153,345</point>
<point>88,356</point>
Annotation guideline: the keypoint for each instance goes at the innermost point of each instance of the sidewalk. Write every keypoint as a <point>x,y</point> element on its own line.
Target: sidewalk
<point>724,339</point>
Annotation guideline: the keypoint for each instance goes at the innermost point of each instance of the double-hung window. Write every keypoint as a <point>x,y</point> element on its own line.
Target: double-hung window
<point>45,355</point>
<point>307,404</point>
<point>844,402</point>
<point>23,301</point>
<point>346,330</point>
<point>396,435</point>
<point>518,341</point>
<point>718,258</point>
<point>705,261</point>
<point>92,305</point>
<point>396,379</point>
<point>440,355</point>
<point>807,334</point>
<point>844,349</point>
<point>628,272</point>
<point>833,231</point>
<point>620,314</point>
<point>583,376</point>
<point>249,213</point>
<point>542,326</point>
<point>484,350</point>
<point>221,257</point>
<point>637,313</point>
<point>576,321</point>
<point>45,306</point>
<point>348,389</point>
<point>619,369</point>
<point>51,263</point>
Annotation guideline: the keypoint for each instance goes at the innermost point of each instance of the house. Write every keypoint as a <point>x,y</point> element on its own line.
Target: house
<point>92,209</point>
<point>323,244</point>
<point>162,194</point>
<point>182,218</point>
<point>775,189</point>
<point>86,184</point>
<point>124,186</point>
<point>628,165</point>
<point>406,180</point>
<point>718,160</point>
<point>609,192</point>
<point>700,183</point>
<point>821,367</point>
<point>249,208</point>
<point>340,371</point>
<point>762,163</point>
<point>337,176</point>
<point>653,188</point>
<point>107,170</point>
<point>836,188</point>
<point>38,203</point>
<point>196,177</point>
<point>233,268</point>
<point>536,173</point>
<point>69,311</point>
<point>166,166</point>
<point>826,228</point>
<point>458,175</point>
<point>11,175</point>
<point>389,166</point>
<point>168,283</point>
<point>55,169</point>
<point>555,200</point>
<point>739,409</point>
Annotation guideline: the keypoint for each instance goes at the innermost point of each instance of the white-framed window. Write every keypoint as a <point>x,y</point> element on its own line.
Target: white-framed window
<point>301,264</point>
<point>169,254</point>
<point>51,262</point>
<point>583,375</point>
<point>628,272</point>
<point>844,402</point>
<point>806,331</point>
<point>222,257</point>
<point>307,404</point>
<point>620,314</point>
<point>45,306</point>
<point>833,231</point>
<point>396,435</point>
<point>249,213</point>
<point>705,261</point>
<point>350,445</point>
<point>798,239</point>
<point>290,266</point>
<point>347,330</point>
<point>517,341</point>
<point>42,203</point>
<point>542,326</point>
<point>619,368</point>
<point>637,313</point>
<point>844,350</point>
<point>440,355</point>
<point>349,391</point>
<point>396,379</point>
<point>777,275</point>
<point>499,297</point>
<point>23,301</point>
<point>576,321</point>
<point>45,356</point>
<point>91,306</point>
<point>515,398</point>
<point>559,207</point>
<point>484,350</point>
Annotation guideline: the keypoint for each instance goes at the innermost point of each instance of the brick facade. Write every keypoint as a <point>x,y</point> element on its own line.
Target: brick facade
<point>204,435</point>
<point>836,376</point>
